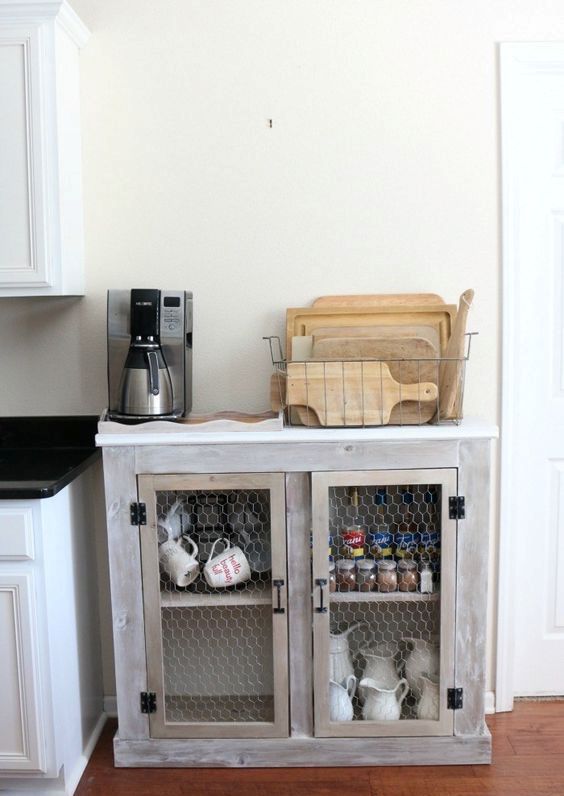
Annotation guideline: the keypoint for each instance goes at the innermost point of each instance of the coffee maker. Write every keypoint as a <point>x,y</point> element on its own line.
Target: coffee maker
<point>149,354</point>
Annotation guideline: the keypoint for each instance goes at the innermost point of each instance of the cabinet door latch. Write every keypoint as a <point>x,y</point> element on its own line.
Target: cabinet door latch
<point>138,513</point>
<point>457,507</point>
<point>278,586</point>
<point>148,702</point>
<point>455,698</point>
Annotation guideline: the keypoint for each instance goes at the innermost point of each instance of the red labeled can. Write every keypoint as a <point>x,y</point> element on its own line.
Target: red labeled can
<point>354,541</point>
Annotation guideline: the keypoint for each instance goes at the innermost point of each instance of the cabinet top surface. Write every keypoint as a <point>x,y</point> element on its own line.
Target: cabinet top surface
<point>471,428</point>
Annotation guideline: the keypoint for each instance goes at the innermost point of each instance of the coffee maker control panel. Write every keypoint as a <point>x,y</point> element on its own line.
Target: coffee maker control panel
<point>172,314</point>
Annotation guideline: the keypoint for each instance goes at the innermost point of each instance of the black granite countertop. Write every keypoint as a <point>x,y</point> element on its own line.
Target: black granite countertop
<point>39,456</point>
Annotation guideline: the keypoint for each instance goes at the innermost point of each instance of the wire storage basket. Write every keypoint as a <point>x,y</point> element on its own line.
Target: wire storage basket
<point>368,392</point>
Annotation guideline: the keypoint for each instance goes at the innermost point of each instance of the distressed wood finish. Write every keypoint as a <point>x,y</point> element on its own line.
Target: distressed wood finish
<point>472,585</point>
<point>159,726</point>
<point>305,752</point>
<point>347,461</point>
<point>289,457</point>
<point>298,523</point>
<point>127,600</point>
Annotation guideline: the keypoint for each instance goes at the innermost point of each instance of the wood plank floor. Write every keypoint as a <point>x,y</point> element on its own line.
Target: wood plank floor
<point>528,751</point>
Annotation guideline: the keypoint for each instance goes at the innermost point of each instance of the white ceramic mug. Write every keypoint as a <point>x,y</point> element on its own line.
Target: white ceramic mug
<point>227,568</point>
<point>181,566</point>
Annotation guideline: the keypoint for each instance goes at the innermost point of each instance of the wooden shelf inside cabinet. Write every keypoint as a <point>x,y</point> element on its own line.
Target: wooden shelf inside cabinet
<point>375,596</point>
<point>256,594</point>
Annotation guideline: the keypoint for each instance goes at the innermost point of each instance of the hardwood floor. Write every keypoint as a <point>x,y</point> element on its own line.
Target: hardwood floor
<point>528,754</point>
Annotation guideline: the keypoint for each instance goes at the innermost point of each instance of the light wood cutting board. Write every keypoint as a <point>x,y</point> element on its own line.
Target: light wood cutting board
<point>352,393</point>
<point>421,365</point>
<point>308,320</point>
<point>378,300</point>
<point>406,413</point>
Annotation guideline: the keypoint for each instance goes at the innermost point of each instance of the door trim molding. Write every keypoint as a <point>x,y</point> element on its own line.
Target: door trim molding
<point>516,60</point>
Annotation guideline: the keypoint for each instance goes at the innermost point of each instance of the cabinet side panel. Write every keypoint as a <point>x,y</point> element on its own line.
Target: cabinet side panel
<point>125,581</point>
<point>70,164</point>
<point>298,510</point>
<point>472,586</point>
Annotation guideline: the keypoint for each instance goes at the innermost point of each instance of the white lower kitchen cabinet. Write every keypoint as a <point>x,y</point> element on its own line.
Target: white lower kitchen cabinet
<point>50,667</point>
<point>255,624</point>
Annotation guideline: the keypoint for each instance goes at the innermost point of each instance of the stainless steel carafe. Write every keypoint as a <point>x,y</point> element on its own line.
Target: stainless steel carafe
<point>146,387</point>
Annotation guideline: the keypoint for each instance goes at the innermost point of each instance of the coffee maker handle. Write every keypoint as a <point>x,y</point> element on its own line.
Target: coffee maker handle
<point>153,362</point>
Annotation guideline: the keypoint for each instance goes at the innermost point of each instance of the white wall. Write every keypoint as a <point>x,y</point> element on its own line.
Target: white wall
<point>380,174</point>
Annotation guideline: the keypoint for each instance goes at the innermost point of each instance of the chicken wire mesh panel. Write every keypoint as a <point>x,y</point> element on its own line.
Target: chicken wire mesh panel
<point>384,608</point>
<point>217,664</point>
<point>216,605</point>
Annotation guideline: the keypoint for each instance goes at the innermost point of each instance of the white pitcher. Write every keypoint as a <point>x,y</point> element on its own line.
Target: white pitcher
<point>380,666</point>
<point>340,699</point>
<point>383,704</point>
<point>423,658</point>
<point>428,706</point>
<point>340,660</point>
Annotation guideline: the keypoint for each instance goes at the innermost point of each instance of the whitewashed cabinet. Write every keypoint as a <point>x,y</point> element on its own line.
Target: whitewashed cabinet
<point>201,669</point>
<point>41,224</point>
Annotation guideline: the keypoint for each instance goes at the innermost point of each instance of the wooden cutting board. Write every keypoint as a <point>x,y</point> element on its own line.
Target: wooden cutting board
<point>425,368</point>
<point>378,300</point>
<point>308,320</point>
<point>406,413</point>
<point>351,393</point>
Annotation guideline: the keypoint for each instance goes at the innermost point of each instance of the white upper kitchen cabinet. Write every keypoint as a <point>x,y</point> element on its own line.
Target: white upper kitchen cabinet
<point>41,226</point>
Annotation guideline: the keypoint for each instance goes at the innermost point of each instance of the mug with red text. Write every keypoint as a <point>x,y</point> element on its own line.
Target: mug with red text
<point>227,568</point>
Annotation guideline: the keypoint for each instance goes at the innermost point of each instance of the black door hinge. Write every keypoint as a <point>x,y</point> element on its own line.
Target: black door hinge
<point>455,698</point>
<point>457,507</point>
<point>138,513</point>
<point>148,702</point>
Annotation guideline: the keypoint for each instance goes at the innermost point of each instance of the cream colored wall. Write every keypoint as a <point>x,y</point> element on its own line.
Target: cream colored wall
<point>380,174</point>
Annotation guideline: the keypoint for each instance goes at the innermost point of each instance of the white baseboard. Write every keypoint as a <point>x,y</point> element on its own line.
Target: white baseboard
<point>490,702</point>
<point>110,706</point>
<point>71,782</point>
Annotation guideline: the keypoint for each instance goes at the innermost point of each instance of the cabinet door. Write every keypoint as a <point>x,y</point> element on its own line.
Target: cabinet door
<point>24,254</point>
<point>21,725</point>
<point>217,652</point>
<point>397,636</point>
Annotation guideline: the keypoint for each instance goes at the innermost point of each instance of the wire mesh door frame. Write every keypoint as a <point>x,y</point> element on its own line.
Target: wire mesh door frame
<point>322,483</point>
<point>276,597</point>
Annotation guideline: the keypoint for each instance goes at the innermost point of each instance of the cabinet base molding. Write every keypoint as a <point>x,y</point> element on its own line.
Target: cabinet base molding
<point>303,752</point>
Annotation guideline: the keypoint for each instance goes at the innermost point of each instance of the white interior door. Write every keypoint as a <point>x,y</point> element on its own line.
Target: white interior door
<point>532,550</point>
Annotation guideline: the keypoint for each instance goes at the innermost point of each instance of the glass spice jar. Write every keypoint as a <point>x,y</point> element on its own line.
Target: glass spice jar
<point>387,578</point>
<point>408,575</point>
<point>332,577</point>
<point>354,540</point>
<point>426,578</point>
<point>345,575</point>
<point>366,574</point>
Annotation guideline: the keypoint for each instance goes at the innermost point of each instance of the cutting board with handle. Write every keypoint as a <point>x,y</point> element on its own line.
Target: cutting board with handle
<point>351,393</point>
<point>308,320</point>
<point>406,413</point>
<point>378,300</point>
<point>421,356</point>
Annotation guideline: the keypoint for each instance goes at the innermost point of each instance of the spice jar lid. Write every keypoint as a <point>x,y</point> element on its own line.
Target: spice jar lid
<point>345,563</point>
<point>407,564</point>
<point>366,563</point>
<point>387,566</point>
